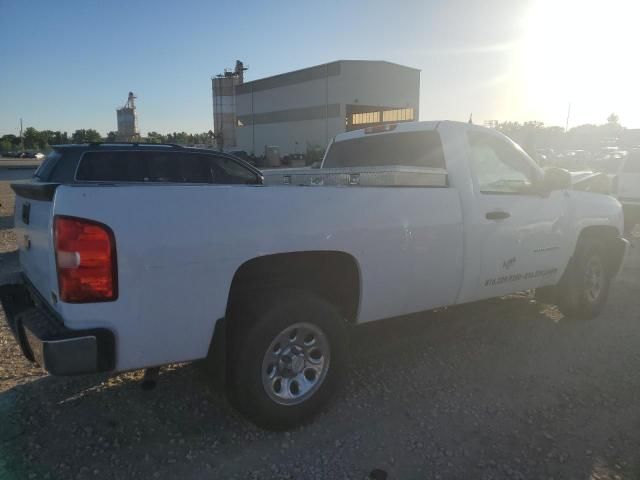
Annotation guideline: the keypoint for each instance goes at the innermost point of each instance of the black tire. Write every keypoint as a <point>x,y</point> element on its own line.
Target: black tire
<point>576,293</point>
<point>255,323</point>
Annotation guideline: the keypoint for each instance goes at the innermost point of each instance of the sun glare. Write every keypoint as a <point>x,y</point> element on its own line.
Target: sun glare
<point>583,52</point>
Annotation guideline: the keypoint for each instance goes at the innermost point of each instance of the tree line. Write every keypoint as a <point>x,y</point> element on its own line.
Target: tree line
<point>41,140</point>
<point>530,135</point>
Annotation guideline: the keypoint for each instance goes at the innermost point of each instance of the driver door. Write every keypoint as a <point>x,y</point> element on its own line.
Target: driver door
<point>518,232</point>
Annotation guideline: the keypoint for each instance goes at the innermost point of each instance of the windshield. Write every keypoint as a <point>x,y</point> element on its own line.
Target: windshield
<point>610,164</point>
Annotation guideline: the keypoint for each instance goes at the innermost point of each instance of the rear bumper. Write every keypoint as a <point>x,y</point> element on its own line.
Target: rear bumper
<point>44,339</point>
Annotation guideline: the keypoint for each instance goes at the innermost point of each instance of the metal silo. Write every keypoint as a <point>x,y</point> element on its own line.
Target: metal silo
<point>128,121</point>
<point>224,105</point>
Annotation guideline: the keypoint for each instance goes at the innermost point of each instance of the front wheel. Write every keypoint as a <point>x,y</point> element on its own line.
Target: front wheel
<point>585,289</point>
<point>287,354</point>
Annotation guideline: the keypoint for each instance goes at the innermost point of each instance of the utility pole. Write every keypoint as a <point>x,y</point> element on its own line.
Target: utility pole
<point>566,125</point>
<point>21,144</point>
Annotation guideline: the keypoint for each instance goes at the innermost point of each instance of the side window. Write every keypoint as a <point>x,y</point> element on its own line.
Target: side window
<point>162,167</point>
<point>499,167</point>
<point>137,166</point>
<point>174,167</point>
<point>225,171</point>
<point>111,166</point>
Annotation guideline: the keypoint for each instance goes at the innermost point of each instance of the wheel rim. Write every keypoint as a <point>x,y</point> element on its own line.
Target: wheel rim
<point>594,278</point>
<point>295,364</point>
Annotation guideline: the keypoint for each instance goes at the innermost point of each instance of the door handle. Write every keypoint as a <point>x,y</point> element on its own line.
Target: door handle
<point>497,215</point>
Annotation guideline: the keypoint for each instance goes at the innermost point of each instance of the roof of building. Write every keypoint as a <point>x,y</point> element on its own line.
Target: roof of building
<point>306,74</point>
<point>380,61</point>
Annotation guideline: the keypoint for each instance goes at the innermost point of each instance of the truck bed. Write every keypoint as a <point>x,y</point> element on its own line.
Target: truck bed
<point>178,247</point>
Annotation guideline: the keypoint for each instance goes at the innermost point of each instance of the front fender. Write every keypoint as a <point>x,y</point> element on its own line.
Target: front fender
<point>593,209</point>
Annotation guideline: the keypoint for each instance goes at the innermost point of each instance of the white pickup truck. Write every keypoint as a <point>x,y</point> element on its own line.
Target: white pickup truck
<point>137,256</point>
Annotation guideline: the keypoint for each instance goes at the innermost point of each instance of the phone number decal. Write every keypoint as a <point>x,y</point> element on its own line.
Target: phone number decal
<point>520,276</point>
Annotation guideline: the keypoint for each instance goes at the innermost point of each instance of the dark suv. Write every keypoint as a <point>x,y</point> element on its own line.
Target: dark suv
<point>144,163</point>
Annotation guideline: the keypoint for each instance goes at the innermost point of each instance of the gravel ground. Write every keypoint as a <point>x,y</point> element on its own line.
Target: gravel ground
<point>500,389</point>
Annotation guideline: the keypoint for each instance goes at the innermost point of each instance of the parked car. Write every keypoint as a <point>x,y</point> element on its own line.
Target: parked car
<point>243,156</point>
<point>294,160</point>
<point>144,255</point>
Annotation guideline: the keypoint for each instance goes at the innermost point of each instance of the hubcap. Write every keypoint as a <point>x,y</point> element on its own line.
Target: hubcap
<point>295,364</point>
<point>594,279</point>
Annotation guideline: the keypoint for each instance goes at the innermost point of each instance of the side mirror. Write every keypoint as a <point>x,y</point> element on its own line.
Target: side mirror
<point>556,179</point>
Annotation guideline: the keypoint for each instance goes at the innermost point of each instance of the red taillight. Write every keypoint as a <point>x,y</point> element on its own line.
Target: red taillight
<point>86,260</point>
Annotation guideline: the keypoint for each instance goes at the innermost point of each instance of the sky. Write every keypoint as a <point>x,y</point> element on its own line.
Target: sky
<point>69,64</point>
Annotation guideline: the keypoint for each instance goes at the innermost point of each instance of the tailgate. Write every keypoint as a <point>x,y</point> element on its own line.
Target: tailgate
<point>33,227</point>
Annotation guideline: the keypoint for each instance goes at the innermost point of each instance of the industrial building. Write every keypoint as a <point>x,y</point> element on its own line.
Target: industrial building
<point>306,108</point>
<point>128,121</point>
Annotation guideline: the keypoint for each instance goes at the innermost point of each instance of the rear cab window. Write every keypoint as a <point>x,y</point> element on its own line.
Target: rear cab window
<point>409,149</point>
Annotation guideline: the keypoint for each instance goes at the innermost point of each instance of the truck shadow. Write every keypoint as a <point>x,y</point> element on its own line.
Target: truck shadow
<point>6,222</point>
<point>71,426</point>
<point>9,266</point>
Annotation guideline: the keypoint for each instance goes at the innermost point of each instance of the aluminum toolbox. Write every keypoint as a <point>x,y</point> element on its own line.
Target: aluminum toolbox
<point>384,176</point>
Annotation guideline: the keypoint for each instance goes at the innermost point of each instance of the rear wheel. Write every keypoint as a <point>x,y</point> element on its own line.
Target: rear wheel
<point>286,355</point>
<point>296,363</point>
<point>584,290</point>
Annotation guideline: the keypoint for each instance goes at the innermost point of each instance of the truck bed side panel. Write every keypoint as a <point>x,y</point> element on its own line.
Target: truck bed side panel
<point>178,248</point>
